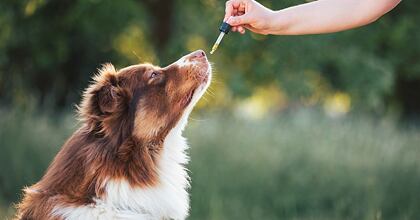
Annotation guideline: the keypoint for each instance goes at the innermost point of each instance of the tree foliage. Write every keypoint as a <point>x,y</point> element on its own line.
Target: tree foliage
<point>50,48</point>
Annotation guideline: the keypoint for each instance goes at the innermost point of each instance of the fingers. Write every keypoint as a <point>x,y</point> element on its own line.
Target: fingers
<point>241,29</point>
<point>238,20</point>
<point>228,10</point>
<point>233,7</point>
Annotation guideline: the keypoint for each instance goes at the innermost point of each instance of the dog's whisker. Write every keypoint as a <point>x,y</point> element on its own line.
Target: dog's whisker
<point>209,94</point>
<point>197,119</point>
<point>205,99</point>
<point>210,90</point>
<point>138,57</point>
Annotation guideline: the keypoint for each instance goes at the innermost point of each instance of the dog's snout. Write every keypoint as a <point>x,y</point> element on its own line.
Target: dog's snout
<point>195,64</point>
<point>198,54</point>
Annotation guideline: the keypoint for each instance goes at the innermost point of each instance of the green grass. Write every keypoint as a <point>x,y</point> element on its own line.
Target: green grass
<point>28,142</point>
<point>304,166</point>
<point>291,166</point>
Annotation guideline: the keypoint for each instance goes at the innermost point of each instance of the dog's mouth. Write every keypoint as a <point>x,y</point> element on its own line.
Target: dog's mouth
<point>199,70</point>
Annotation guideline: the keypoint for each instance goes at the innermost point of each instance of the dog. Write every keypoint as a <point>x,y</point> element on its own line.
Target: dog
<point>127,160</point>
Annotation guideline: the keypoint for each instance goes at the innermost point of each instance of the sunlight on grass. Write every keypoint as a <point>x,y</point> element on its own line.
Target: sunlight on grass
<point>265,100</point>
<point>337,104</point>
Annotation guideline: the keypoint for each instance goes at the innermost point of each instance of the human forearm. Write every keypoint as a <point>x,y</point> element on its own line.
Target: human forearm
<point>327,16</point>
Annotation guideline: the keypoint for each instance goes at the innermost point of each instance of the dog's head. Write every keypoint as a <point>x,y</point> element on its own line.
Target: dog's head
<point>144,101</point>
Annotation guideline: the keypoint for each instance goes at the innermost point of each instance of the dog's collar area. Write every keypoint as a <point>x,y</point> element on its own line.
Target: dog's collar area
<point>120,212</point>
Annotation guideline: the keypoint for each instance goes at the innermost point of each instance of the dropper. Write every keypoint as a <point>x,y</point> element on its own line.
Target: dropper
<point>224,29</point>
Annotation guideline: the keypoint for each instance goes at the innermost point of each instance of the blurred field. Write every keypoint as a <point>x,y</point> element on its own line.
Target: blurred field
<point>299,165</point>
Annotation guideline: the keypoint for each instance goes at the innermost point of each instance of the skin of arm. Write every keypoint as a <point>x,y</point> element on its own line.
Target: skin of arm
<point>316,17</point>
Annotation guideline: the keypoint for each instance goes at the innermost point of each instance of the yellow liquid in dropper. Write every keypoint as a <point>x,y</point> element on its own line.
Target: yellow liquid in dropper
<point>214,48</point>
<point>216,44</point>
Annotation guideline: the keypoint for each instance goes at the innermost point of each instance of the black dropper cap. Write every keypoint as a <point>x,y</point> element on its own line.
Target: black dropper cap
<point>225,27</point>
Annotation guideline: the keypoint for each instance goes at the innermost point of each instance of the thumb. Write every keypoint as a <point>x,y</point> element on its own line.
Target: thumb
<point>238,20</point>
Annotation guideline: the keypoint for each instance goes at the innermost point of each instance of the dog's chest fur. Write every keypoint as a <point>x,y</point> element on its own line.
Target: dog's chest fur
<point>167,200</point>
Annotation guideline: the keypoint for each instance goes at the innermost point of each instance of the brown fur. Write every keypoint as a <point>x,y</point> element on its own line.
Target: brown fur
<point>125,117</point>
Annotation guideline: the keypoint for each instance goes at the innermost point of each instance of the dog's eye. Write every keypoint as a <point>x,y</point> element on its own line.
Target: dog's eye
<point>155,78</point>
<point>153,75</point>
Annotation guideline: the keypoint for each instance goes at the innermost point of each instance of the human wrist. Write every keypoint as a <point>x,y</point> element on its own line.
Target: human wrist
<point>278,22</point>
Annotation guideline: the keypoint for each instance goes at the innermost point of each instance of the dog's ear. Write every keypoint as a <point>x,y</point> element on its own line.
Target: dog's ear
<point>102,96</point>
<point>105,94</point>
<point>106,98</point>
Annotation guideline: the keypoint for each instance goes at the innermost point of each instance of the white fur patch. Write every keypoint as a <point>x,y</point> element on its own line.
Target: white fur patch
<point>168,200</point>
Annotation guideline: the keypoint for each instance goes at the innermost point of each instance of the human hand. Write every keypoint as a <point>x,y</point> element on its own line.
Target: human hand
<point>248,14</point>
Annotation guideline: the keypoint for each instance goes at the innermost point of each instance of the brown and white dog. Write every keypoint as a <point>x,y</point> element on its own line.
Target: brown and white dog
<point>127,159</point>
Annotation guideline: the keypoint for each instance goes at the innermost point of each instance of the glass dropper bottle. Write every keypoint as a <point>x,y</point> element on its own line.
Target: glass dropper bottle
<point>224,29</point>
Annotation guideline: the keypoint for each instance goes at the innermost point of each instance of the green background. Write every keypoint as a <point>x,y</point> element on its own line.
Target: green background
<point>293,127</point>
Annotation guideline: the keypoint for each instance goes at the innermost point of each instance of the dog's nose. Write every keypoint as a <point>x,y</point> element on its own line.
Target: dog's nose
<point>198,54</point>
